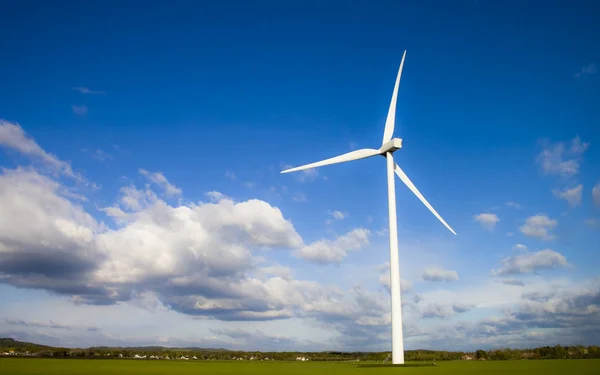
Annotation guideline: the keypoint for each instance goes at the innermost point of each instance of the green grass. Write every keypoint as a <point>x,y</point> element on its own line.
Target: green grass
<point>19,366</point>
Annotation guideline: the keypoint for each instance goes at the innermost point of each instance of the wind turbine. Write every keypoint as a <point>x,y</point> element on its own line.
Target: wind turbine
<point>387,148</point>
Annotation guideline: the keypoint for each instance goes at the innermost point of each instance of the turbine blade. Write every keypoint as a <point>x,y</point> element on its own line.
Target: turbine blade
<point>414,189</point>
<point>352,155</point>
<point>391,117</point>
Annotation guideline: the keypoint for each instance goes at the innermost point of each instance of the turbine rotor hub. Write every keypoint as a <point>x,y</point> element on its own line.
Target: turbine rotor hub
<point>391,145</point>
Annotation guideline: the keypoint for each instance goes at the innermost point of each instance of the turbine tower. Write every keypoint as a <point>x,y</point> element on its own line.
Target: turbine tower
<point>387,148</point>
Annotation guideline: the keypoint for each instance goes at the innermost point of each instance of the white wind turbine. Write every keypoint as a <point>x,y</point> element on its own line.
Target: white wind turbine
<point>388,146</point>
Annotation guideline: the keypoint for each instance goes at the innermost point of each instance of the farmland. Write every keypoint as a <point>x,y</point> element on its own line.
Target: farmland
<point>46,366</point>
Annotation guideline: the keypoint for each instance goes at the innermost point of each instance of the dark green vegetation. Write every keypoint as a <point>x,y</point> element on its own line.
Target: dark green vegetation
<point>19,348</point>
<point>30,366</point>
<point>8,343</point>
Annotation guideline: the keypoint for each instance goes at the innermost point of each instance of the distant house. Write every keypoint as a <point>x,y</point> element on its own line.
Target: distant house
<point>301,359</point>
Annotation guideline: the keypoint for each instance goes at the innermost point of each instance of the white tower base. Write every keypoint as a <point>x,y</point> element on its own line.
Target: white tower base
<point>396,297</point>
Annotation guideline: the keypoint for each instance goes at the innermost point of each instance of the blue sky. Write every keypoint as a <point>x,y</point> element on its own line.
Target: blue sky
<point>141,150</point>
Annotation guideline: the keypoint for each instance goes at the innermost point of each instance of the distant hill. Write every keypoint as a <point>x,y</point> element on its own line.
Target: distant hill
<point>158,348</point>
<point>7,342</point>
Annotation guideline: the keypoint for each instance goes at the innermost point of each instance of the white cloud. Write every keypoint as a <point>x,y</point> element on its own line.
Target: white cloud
<point>514,282</point>
<point>572,196</point>
<point>216,196</point>
<point>334,251</point>
<point>596,194</point>
<point>587,70</point>
<point>338,215</point>
<point>305,175</point>
<point>592,222</point>
<point>159,179</point>
<point>299,197</point>
<point>197,258</point>
<point>514,205</point>
<point>85,90</point>
<point>79,109</point>
<point>436,310</point>
<point>531,263</point>
<point>384,279</point>
<point>12,136</point>
<point>439,274</point>
<point>539,226</point>
<point>101,155</point>
<point>488,221</point>
<point>207,266</point>
<point>230,175</point>
<point>561,159</point>
<point>520,247</point>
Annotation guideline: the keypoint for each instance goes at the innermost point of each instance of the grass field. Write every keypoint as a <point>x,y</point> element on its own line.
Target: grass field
<point>17,366</point>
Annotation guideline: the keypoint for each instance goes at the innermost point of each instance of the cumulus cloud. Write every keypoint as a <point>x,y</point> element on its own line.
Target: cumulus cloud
<point>195,257</point>
<point>208,261</point>
<point>520,247</point>
<point>334,251</point>
<point>531,263</point>
<point>462,308</point>
<point>384,280</point>
<point>45,239</point>
<point>159,179</point>
<point>539,226</point>
<point>439,274</point>
<point>596,194</point>
<point>12,136</point>
<point>216,196</point>
<point>203,260</point>
<point>572,196</point>
<point>437,310</point>
<point>514,205</point>
<point>488,221</point>
<point>513,282</point>
<point>338,215</point>
<point>561,158</point>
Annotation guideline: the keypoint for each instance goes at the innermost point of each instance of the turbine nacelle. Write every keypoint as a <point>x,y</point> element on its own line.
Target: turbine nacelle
<point>391,146</point>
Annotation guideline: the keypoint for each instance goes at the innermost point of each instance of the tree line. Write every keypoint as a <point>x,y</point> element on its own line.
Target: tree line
<point>546,352</point>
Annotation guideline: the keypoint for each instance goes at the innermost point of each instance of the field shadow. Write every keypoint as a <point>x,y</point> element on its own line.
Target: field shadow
<point>375,365</point>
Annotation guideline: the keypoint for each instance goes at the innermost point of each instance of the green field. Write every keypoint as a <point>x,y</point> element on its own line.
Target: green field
<point>16,366</point>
